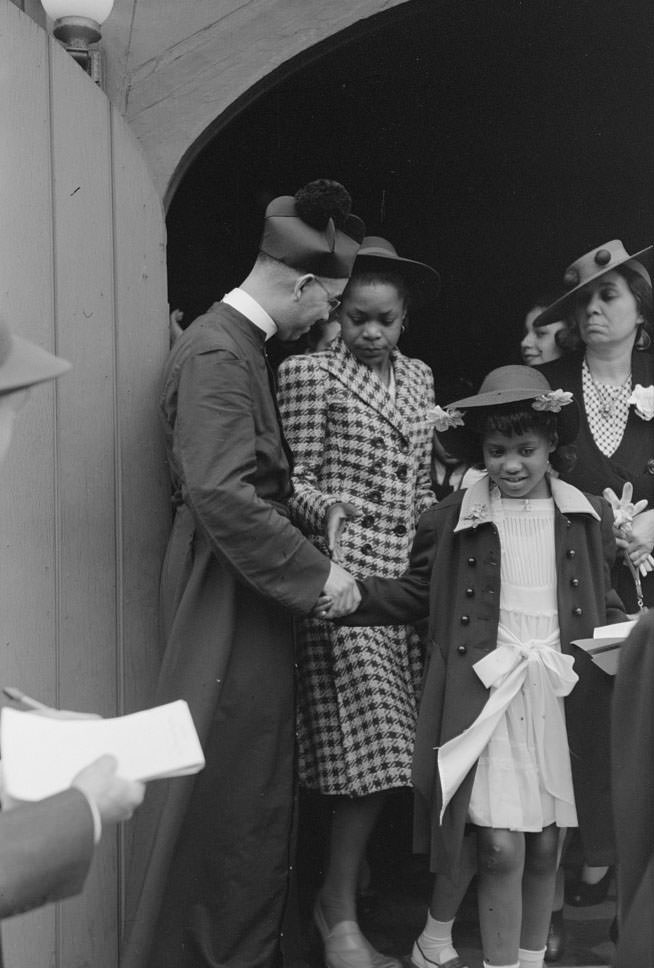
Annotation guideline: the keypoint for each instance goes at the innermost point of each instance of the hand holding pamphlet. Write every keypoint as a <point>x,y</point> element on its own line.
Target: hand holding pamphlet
<point>41,755</point>
<point>604,647</point>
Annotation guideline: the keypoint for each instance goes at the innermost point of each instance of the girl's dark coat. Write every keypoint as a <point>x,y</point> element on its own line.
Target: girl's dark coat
<point>454,578</point>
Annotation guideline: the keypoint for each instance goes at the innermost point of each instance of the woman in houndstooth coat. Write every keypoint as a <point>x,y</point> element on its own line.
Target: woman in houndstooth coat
<point>355,417</point>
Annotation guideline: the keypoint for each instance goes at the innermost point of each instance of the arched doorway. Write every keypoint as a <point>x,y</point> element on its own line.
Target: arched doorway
<point>496,141</point>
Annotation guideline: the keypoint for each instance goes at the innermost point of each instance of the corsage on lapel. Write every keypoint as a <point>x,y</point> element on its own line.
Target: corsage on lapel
<point>642,400</point>
<point>444,419</point>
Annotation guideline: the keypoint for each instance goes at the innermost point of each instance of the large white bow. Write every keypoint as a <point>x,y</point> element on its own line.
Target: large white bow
<point>547,674</point>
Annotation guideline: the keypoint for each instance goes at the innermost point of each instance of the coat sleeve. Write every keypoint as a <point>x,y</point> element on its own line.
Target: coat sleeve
<point>632,754</point>
<point>304,411</point>
<point>403,600</point>
<point>214,444</point>
<point>425,496</point>
<point>45,851</point>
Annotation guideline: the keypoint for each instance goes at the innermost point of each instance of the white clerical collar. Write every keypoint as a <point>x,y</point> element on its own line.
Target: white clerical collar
<point>243,303</point>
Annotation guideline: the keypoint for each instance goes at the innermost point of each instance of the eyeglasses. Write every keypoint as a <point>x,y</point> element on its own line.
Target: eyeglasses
<point>333,301</point>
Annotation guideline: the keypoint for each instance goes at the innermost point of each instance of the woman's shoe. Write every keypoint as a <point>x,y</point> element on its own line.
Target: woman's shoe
<point>580,894</point>
<point>555,937</point>
<point>346,947</point>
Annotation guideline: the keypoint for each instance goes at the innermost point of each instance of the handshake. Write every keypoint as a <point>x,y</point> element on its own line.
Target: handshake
<point>341,595</point>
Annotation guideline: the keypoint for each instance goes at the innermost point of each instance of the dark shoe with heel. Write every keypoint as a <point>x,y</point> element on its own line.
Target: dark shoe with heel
<point>581,894</point>
<point>555,938</point>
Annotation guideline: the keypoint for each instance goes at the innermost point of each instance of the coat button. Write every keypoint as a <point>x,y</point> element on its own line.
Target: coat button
<point>404,447</point>
<point>367,521</point>
<point>377,441</point>
<point>465,620</point>
<point>577,611</point>
<point>366,549</point>
<point>401,472</point>
<point>472,562</point>
<point>377,465</point>
<point>461,649</point>
<point>470,592</point>
<point>574,582</point>
<point>650,465</point>
<point>568,523</point>
<point>399,529</point>
<point>375,497</point>
<point>571,553</point>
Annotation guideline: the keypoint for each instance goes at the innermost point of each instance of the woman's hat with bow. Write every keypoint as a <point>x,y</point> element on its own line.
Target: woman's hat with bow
<point>591,266</point>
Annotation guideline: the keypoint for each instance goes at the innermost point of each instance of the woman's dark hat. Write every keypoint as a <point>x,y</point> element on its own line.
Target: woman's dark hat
<point>313,230</point>
<point>22,364</point>
<point>423,282</point>
<point>591,266</point>
<point>504,387</point>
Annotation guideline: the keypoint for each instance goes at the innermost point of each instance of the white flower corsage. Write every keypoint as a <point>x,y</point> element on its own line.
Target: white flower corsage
<point>477,513</point>
<point>642,399</point>
<point>553,401</point>
<point>445,419</point>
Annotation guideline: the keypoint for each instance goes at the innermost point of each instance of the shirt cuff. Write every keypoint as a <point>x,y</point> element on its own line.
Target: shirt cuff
<point>95,813</point>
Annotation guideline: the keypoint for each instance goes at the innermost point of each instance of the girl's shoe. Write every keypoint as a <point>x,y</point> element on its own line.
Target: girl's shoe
<point>580,894</point>
<point>346,947</point>
<point>420,960</point>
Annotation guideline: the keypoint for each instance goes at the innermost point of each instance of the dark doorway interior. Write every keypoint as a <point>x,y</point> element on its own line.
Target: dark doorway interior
<point>496,140</point>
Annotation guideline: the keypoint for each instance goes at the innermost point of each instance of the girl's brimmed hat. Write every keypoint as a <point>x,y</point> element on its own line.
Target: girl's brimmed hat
<point>22,364</point>
<point>505,387</point>
<point>591,266</point>
<point>377,254</point>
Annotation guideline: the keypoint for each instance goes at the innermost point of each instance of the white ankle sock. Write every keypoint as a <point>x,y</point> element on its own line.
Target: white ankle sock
<point>486,965</point>
<point>531,959</point>
<point>435,941</point>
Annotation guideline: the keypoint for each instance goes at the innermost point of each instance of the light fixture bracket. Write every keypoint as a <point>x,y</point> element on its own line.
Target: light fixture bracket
<point>77,34</point>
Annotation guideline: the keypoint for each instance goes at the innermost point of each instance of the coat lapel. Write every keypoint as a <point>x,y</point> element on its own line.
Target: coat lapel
<point>362,382</point>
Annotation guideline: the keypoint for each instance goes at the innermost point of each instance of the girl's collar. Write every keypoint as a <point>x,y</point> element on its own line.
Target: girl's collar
<point>476,503</point>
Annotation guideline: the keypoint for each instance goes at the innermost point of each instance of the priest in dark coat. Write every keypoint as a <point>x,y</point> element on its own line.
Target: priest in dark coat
<point>212,855</point>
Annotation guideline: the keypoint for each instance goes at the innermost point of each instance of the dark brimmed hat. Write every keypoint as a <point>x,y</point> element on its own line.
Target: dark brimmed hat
<point>422,281</point>
<point>313,230</point>
<point>22,364</point>
<point>591,266</point>
<point>504,388</point>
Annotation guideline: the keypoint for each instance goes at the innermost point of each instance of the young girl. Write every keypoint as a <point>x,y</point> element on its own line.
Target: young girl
<point>510,573</point>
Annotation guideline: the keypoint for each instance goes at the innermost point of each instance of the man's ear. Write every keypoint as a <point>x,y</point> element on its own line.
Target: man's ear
<point>300,283</point>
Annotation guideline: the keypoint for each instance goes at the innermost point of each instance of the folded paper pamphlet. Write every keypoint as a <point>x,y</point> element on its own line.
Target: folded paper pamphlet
<point>604,647</point>
<point>40,755</point>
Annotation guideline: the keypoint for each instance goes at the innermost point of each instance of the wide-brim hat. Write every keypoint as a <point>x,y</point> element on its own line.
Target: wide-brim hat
<point>376,253</point>
<point>304,234</point>
<point>23,364</point>
<point>591,266</point>
<point>503,388</point>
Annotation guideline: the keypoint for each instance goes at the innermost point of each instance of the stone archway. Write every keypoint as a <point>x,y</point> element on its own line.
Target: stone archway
<point>174,75</point>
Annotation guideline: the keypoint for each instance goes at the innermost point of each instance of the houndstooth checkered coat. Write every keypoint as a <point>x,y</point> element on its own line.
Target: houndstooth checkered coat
<point>352,442</point>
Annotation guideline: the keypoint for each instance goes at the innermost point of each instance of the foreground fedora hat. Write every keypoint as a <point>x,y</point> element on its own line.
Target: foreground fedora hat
<point>23,364</point>
<point>591,266</point>
<point>376,253</point>
<point>313,230</point>
<point>507,386</point>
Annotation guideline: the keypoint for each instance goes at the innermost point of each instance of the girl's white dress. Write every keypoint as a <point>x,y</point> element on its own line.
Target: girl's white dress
<point>523,779</point>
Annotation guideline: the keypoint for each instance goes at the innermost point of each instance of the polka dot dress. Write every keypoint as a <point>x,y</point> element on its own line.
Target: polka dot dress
<point>607,410</point>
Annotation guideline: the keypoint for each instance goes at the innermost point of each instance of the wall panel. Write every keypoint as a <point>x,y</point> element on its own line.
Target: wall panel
<point>85,496</point>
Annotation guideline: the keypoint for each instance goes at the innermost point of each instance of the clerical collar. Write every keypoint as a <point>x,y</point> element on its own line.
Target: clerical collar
<point>243,303</point>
